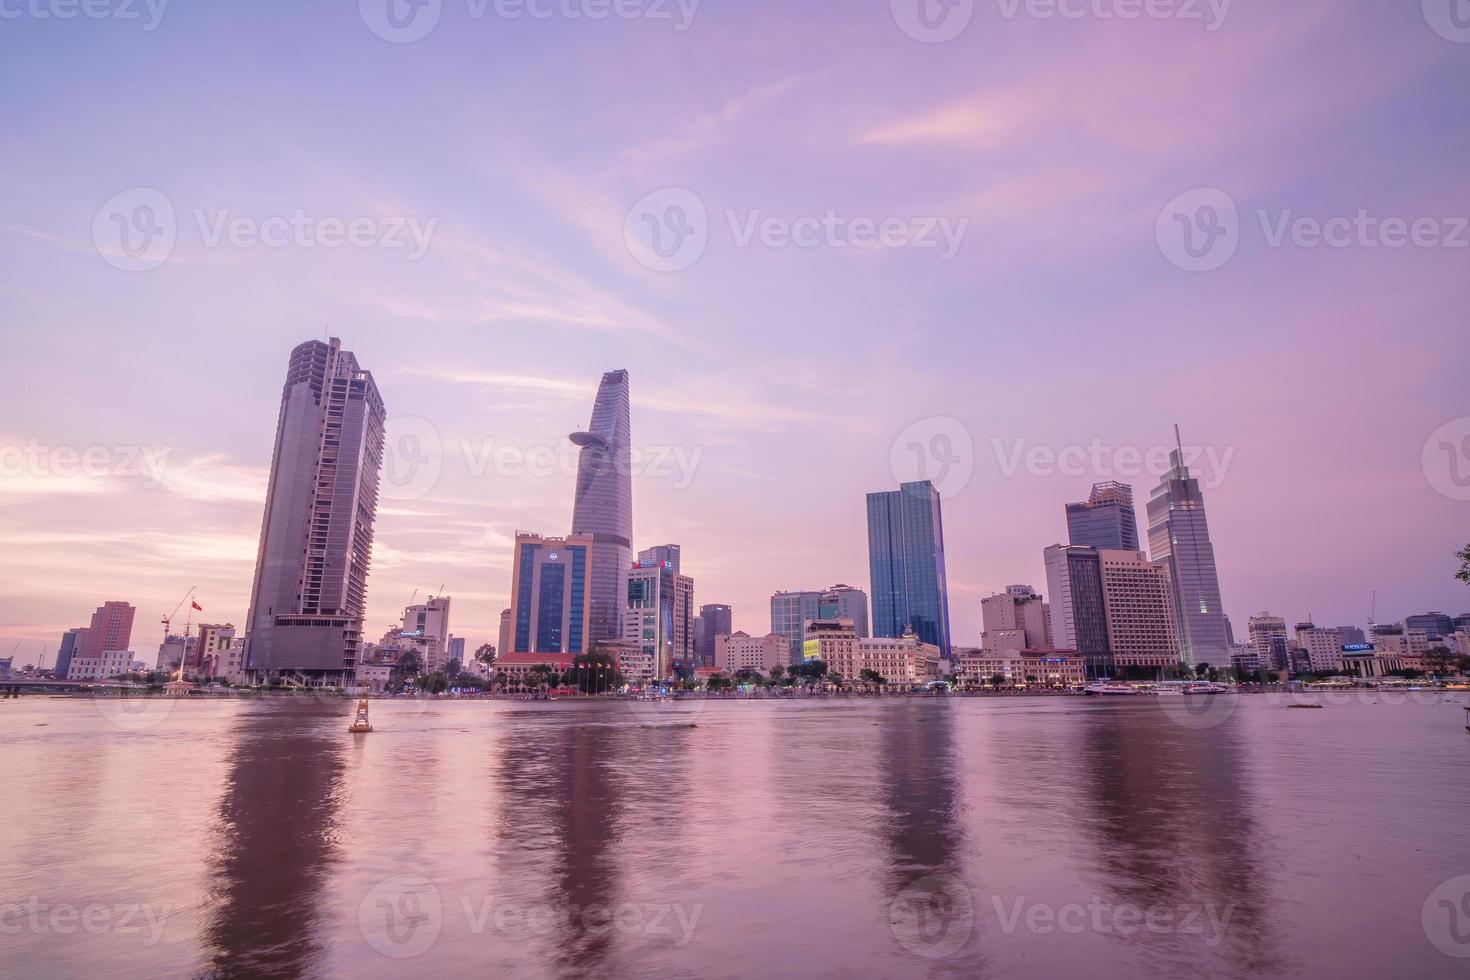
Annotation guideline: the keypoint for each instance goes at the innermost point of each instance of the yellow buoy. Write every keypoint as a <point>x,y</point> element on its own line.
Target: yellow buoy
<point>361,724</point>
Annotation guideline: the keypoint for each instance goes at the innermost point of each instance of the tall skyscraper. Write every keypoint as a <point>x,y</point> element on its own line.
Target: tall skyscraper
<point>906,556</point>
<point>316,540</point>
<point>1106,519</point>
<point>1179,539</point>
<point>111,630</point>
<point>713,620</point>
<point>549,595</point>
<point>604,504</point>
<point>1079,612</point>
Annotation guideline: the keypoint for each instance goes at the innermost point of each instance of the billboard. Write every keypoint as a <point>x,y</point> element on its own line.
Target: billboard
<point>811,649</point>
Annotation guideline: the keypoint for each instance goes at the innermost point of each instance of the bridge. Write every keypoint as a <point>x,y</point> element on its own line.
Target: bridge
<point>12,687</point>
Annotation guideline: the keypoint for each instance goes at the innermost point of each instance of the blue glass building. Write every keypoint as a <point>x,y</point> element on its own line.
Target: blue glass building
<point>906,558</point>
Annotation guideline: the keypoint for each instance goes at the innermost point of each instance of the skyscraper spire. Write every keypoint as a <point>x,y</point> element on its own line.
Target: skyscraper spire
<point>603,506</point>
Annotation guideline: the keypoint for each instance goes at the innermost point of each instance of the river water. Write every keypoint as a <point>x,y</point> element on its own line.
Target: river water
<point>1026,837</point>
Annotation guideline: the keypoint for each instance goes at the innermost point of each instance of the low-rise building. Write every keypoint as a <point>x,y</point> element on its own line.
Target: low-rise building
<point>740,651</point>
<point>903,660</point>
<point>111,663</point>
<point>1059,669</point>
<point>226,663</point>
<point>1323,646</point>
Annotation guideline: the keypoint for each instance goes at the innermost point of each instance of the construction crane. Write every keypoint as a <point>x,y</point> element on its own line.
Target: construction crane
<point>168,625</point>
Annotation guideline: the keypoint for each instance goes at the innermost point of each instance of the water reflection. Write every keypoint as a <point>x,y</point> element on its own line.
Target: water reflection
<point>561,806</point>
<point>1168,816</point>
<point>276,843</point>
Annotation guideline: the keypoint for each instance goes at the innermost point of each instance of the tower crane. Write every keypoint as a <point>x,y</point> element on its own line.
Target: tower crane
<point>168,624</point>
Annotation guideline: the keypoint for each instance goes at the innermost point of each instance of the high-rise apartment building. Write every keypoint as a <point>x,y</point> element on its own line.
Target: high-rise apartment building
<point>1105,520</point>
<point>428,624</point>
<point>603,507</point>
<point>1179,539</point>
<point>316,540</point>
<point>906,560</point>
<point>111,630</point>
<point>1267,637</point>
<point>550,594</point>
<point>1322,644</point>
<point>72,644</point>
<point>1138,603</point>
<point>1078,611</point>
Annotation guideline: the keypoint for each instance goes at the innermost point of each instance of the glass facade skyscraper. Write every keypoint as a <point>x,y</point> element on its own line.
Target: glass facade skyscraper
<point>906,559</point>
<point>548,603</point>
<point>1105,520</point>
<point>603,507</point>
<point>1179,539</point>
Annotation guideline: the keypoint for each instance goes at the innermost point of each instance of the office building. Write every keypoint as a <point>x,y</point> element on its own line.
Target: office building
<point>1268,638</point>
<point>603,507</point>
<point>1105,520</point>
<point>1323,647</point>
<point>657,616</point>
<point>72,643</point>
<point>1078,613</point>
<point>111,630</point>
<point>906,560</point>
<point>714,620</point>
<point>309,595</point>
<point>504,643</point>
<point>667,554</point>
<point>1179,540</point>
<point>428,623</point>
<point>1017,619</point>
<point>211,639</point>
<point>845,602</point>
<point>1138,604</point>
<point>1436,625</point>
<point>550,600</point>
<point>739,651</point>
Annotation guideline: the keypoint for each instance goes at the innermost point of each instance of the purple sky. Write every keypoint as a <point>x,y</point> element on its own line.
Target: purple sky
<point>1316,375</point>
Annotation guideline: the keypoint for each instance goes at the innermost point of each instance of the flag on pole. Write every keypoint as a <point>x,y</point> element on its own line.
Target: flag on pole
<point>196,605</point>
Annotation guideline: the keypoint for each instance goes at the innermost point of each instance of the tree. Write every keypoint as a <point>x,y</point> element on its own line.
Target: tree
<point>718,682</point>
<point>485,654</point>
<point>593,673</point>
<point>408,666</point>
<point>1438,661</point>
<point>997,681</point>
<point>869,676</point>
<point>836,680</point>
<point>777,671</point>
<point>435,683</point>
<point>1201,670</point>
<point>1463,556</point>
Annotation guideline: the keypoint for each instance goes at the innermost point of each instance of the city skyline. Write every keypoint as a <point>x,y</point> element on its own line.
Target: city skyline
<point>794,375</point>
